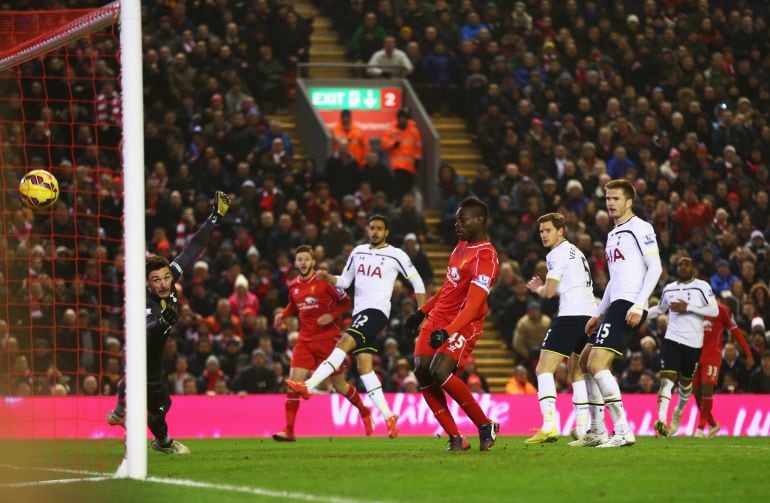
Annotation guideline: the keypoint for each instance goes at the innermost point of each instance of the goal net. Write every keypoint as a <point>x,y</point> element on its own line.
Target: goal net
<point>61,269</point>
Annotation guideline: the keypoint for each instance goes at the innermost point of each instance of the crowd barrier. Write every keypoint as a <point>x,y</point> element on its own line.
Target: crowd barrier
<point>332,415</point>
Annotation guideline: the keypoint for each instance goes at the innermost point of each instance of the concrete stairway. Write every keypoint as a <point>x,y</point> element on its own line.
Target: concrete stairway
<point>324,43</point>
<point>457,148</point>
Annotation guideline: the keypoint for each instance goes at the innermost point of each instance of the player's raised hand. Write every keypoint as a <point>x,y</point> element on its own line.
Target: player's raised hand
<point>220,207</point>
<point>412,323</point>
<point>324,275</point>
<point>277,321</point>
<point>591,326</point>
<point>325,319</point>
<point>534,284</point>
<point>749,361</point>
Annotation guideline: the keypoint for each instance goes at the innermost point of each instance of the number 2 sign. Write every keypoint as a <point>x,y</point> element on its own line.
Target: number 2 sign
<point>390,98</point>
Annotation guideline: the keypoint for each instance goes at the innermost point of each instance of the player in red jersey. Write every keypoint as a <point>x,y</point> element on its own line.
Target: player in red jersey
<point>319,305</point>
<point>707,374</point>
<point>455,319</point>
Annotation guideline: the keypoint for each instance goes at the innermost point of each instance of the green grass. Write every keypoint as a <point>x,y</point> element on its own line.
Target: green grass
<point>408,469</point>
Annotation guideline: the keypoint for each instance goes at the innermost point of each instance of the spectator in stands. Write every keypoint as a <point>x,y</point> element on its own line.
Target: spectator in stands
<point>441,69</point>
<point>377,175</point>
<point>258,378</point>
<point>343,168</point>
<point>759,381</point>
<point>419,259</point>
<point>389,61</point>
<point>519,383</point>
<point>407,220</point>
<point>529,333</point>
<point>734,364</point>
<point>268,77</point>
<point>723,279</point>
<point>367,38</point>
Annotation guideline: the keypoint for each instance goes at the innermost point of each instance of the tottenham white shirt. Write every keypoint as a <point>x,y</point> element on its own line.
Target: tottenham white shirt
<point>627,245</point>
<point>687,328</point>
<point>374,271</point>
<point>567,265</point>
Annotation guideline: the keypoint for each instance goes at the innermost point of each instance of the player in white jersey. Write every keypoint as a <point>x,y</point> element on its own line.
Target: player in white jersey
<point>689,300</point>
<point>569,277</point>
<point>634,266</point>
<point>374,268</point>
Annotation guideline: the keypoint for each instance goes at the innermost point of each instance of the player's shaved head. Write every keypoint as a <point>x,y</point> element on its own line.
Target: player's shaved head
<point>477,206</point>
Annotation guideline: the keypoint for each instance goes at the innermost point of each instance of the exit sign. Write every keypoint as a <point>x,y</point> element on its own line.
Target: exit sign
<point>351,98</point>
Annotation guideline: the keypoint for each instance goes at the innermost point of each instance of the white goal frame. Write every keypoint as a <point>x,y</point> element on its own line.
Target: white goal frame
<point>128,13</point>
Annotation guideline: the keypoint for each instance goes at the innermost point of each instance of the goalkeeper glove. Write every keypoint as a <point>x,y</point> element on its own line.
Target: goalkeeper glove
<point>221,205</point>
<point>168,317</point>
<point>437,338</point>
<point>412,323</point>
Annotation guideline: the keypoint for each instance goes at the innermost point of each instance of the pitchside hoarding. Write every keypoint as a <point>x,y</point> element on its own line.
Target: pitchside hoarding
<point>332,415</point>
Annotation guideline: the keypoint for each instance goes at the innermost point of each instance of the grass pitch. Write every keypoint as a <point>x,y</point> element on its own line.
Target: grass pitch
<point>406,469</point>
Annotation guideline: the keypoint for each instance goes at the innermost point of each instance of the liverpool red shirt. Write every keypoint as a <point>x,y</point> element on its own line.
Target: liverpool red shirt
<point>470,263</point>
<point>311,298</point>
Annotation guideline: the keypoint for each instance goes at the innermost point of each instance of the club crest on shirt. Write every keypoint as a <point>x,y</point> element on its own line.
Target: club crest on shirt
<point>453,275</point>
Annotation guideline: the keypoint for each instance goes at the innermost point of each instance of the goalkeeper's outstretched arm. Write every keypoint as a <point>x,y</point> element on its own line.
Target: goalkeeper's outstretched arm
<point>201,238</point>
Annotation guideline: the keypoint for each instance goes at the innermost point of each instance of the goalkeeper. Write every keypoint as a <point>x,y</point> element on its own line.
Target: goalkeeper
<point>162,315</point>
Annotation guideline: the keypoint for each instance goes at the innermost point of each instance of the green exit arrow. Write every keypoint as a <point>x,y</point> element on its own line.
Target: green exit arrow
<point>339,98</point>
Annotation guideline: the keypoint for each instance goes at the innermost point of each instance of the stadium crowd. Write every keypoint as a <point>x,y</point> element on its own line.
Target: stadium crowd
<point>561,96</point>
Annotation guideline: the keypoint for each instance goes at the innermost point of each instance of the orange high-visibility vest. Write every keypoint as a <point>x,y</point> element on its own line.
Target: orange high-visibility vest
<point>409,150</point>
<point>358,143</point>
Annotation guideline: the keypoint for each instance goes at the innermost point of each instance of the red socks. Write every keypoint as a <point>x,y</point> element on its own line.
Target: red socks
<point>705,413</point>
<point>459,391</point>
<point>292,406</point>
<point>436,400</point>
<point>354,398</point>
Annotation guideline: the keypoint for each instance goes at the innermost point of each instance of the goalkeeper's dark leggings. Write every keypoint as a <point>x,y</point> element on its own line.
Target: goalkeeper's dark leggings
<point>158,404</point>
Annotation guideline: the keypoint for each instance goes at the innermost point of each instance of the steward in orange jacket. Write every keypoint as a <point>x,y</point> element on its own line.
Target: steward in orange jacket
<point>404,147</point>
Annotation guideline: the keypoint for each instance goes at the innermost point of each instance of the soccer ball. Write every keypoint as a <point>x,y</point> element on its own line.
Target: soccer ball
<point>39,189</point>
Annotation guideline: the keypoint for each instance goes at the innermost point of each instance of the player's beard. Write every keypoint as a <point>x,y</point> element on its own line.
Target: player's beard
<point>307,274</point>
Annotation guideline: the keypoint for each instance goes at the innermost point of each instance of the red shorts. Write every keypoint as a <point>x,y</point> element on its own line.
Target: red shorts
<point>707,372</point>
<point>307,355</point>
<point>458,347</point>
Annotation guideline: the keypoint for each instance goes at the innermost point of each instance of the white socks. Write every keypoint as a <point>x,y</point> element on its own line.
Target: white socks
<point>611,393</point>
<point>684,395</point>
<point>664,398</point>
<point>596,404</point>
<point>374,389</point>
<point>580,401</point>
<point>546,393</point>
<point>326,368</point>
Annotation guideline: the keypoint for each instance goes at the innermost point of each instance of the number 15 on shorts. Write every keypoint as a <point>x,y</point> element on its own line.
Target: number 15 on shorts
<point>603,332</point>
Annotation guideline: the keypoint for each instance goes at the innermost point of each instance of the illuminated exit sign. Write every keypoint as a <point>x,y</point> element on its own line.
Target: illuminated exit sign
<point>341,98</point>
